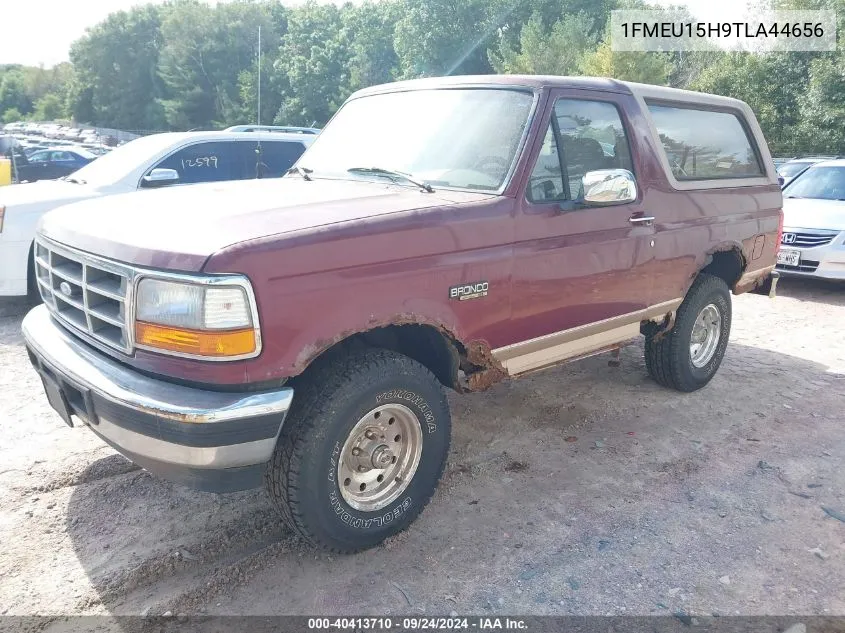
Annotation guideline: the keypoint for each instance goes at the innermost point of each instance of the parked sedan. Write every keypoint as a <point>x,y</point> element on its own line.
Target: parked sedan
<point>55,162</point>
<point>813,241</point>
<point>160,160</point>
<point>794,168</point>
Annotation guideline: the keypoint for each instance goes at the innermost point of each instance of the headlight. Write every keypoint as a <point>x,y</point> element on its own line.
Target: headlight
<point>195,319</point>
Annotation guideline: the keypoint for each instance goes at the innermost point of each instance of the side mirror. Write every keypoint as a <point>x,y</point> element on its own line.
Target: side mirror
<point>609,186</point>
<point>160,178</point>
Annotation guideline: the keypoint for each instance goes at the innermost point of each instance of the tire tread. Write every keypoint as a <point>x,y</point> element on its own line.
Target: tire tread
<point>312,404</point>
<point>664,355</point>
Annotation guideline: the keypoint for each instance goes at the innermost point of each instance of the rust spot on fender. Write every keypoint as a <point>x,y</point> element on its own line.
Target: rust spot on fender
<point>665,326</point>
<point>480,367</point>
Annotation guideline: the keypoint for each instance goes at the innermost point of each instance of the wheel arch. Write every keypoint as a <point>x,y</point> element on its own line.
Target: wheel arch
<point>725,261</point>
<point>458,365</point>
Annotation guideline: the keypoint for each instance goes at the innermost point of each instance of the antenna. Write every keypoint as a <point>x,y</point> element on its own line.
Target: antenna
<point>258,117</point>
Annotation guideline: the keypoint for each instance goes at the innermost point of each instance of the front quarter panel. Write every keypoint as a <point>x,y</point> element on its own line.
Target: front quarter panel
<point>319,287</point>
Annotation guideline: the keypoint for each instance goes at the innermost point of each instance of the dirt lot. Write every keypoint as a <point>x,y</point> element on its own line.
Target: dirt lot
<point>585,489</point>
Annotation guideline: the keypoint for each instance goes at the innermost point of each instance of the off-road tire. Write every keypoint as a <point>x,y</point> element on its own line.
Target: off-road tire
<point>668,358</point>
<point>301,478</point>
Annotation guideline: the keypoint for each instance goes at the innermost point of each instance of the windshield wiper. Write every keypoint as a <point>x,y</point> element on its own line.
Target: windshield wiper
<point>302,171</point>
<point>380,171</point>
<point>76,181</point>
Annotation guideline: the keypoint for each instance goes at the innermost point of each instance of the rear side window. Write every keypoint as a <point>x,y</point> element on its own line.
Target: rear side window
<point>277,157</point>
<point>705,144</point>
<point>209,162</point>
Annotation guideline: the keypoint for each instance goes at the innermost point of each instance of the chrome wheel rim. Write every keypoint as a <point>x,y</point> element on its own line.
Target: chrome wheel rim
<point>379,458</point>
<point>705,335</point>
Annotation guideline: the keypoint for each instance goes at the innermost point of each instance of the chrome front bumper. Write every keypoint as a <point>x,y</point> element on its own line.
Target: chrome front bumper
<point>210,440</point>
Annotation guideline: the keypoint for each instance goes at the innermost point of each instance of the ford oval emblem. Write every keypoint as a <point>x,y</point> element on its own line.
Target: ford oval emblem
<point>66,289</point>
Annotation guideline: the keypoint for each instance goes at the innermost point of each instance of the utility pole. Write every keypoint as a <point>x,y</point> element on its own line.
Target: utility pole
<point>258,117</point>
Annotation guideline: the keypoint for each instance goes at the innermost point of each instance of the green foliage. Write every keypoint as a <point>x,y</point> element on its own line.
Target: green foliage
<point>560,51</point>
<point>313,57</point>
<point>772,84</point>
<point>444,37</point>
<point>647,68</point>
<point>115,81</point>
<point>371,30</point>
<point>13,92</point>
<point>188,64</point>
<point>821,111</point>
<point>11,115</point>
<point>50,107</point>
<point>204,54</point>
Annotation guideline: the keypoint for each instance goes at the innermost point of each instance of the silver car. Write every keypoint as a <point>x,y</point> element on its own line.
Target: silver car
<point>791,169</point>
<point>813,242</point>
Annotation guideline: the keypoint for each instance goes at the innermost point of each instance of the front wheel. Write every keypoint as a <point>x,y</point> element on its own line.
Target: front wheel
<point>362,451</point>
<point>687,357</point>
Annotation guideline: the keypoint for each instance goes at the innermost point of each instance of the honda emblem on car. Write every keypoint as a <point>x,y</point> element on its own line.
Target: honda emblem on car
<point>65,288</point>
<point>788,238</point>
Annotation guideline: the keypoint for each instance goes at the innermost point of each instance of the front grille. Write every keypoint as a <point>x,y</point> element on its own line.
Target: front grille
<point>87,293</point>
<point>805,266</point>
<point>806,239</point>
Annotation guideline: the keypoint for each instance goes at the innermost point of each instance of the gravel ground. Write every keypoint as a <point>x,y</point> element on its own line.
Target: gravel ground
<point>585,489</point>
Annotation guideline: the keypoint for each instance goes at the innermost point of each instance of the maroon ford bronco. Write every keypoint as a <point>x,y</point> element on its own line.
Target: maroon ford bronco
<point>440,233</point>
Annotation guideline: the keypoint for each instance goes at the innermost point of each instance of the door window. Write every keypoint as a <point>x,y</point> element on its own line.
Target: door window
<point>583,136</point>
<point>209,162</point>
<point>276,157</point>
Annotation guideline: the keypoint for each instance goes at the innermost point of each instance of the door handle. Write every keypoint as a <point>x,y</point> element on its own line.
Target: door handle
<point>645,220</point>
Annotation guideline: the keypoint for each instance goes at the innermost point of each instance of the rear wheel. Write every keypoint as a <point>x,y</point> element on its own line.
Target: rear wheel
<point>362,451</point>
<point>687,357</point>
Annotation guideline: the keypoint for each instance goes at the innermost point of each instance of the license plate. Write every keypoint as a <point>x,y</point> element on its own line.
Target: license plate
<point>57,399</point>
<point>789,257</point>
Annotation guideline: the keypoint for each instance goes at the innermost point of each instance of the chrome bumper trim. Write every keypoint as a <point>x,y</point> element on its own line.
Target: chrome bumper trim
<point>132,389</point>
<point>217,457</point>
<point>194,412</point>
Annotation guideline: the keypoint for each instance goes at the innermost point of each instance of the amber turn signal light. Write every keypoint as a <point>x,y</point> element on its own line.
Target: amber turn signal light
<point>221,344</point>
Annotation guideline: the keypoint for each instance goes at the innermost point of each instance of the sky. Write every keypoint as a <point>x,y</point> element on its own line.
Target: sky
<point>40,32</point>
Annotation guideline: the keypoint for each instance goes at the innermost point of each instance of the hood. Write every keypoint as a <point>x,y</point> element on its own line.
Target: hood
<point>41,192</point>
<point>178,228</point>
<point>814,213</point>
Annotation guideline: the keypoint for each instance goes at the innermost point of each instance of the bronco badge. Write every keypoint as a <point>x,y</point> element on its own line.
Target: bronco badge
<point>465,292</point>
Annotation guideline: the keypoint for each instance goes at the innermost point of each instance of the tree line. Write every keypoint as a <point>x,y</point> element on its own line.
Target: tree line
<point>188,65</point>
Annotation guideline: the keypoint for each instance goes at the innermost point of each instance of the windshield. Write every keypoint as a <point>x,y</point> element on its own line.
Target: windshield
<point>461,138</point>
<point>791,169</point>
<point>112,167</point>
<point>826,183</point>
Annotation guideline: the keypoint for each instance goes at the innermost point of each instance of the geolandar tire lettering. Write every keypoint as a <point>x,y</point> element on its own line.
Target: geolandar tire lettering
<point>688,356</point>
<point>362,450</point>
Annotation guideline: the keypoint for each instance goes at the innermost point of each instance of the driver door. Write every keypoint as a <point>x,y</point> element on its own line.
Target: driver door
<point>580,280</point>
